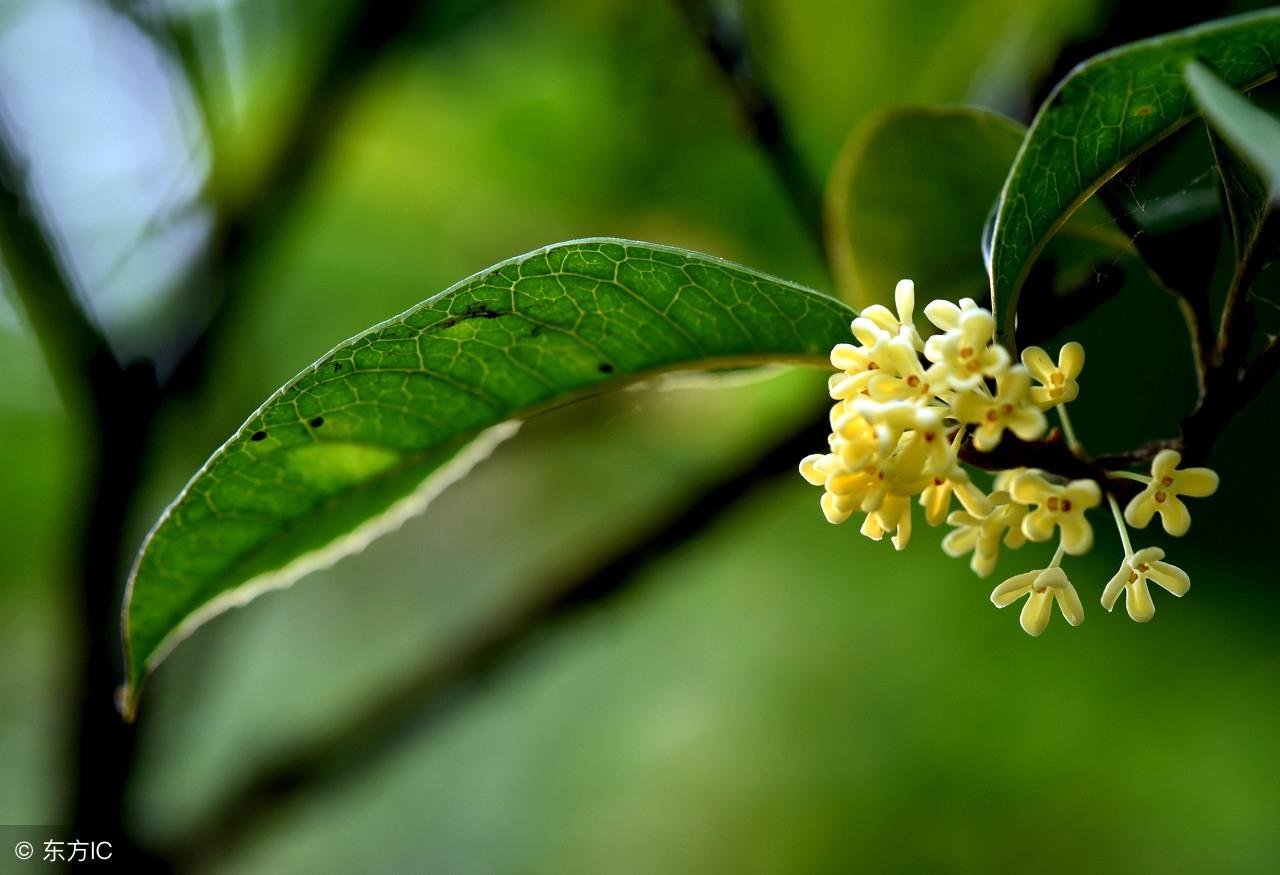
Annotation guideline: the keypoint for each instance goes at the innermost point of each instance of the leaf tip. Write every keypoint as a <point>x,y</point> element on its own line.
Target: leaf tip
<point>127,701</point>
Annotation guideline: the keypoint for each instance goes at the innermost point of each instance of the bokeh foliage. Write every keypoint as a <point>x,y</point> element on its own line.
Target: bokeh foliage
<point>779,695</point>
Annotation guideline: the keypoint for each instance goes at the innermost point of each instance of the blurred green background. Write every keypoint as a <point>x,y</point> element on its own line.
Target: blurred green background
<point>776,695</point>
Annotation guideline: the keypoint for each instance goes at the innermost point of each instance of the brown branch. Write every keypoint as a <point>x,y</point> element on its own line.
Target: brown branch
<point>1239,320</point>
<point>724,41</point>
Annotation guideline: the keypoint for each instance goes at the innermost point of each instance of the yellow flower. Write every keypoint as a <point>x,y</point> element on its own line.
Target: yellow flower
<point>1057,383</point>
<point>936,497</point>
<point>907,379</point>
<point>852,437</point>
<point>967,350</point>
<point>1161,494</point>
<point>891,419</point>
<point>946,315</point>
<point>903,324</point>
<point>1042,587</point>
<point>1009,409</point>
<point>980,533</point>
<point>1132,578</point>
<point>893,515</point>
<point>1057,506</point>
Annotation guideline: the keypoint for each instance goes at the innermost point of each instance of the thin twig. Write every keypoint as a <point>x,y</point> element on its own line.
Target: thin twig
<point>723,40</point>
<point>1239,318</point>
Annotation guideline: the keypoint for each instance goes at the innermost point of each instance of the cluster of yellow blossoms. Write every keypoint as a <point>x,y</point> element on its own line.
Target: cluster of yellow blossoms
<point>904,405</point>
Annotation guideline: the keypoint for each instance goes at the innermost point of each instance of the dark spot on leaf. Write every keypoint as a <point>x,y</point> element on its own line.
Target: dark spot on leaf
<point>474,310</point>
<point>317,422</point>
<point>257,436</point>
<point>605,368</point>
<point>1144,110</point>
<point>337,366</point>
<point>535,331</point>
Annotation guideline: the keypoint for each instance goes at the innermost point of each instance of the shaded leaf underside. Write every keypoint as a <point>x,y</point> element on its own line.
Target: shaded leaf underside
<point>366,435</point>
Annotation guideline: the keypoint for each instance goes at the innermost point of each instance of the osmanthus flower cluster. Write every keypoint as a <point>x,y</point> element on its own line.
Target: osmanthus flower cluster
<point>904,407</point>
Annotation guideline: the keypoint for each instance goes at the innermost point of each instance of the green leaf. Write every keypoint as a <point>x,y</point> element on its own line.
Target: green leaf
<point>1246,146</point>
<point>912,194</point>
<point>1106,112</point>
<point>369,433</point>
<point>1250,204</point>
<point>1254,134</point>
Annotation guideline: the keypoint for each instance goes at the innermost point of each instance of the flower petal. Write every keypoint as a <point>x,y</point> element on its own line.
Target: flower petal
<point>811,469</point>
<point>848,357</point>
<point>1115,586</point>
<point>1038,525</point>
<point>1141,508</point>
<point>1071,360</point>
<point>1083,494</point>
<point>1174,515</point>
<point>1196,482</point>
<point>1030,488</point>
<point>871,527</point>
<point>1009,591</point>
<point>944,314</point>
<point>1137,600</point>
<point>1069,604</point>
<point>904,297</point>
<point>1170,577</point>
<point>960,541</point>
<point>1028,423</point>
<point>1035,613</point>
<point>832,510</point>
<point>973,499</point>
<point>1145,556</point>
<point>1165,462</point>
<point>982,564</point>
<point>1077,534</point>
<point>1038,363</point>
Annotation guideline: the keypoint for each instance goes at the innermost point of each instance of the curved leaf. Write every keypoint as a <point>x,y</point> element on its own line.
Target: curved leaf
<point>1253,133</point>
<point>369,433</point>
<point>1107,111</point>
<point>911,196</point>
<point>1250,168</point>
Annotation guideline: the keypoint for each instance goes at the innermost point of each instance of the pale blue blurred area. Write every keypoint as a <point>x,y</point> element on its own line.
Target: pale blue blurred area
<point>117,162</point>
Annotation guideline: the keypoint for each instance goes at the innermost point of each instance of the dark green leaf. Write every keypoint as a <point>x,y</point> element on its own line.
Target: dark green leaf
<point>369,433</point>
<point>1251,132</point>
<point>1250,167</point>
<point>1107,111</point>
